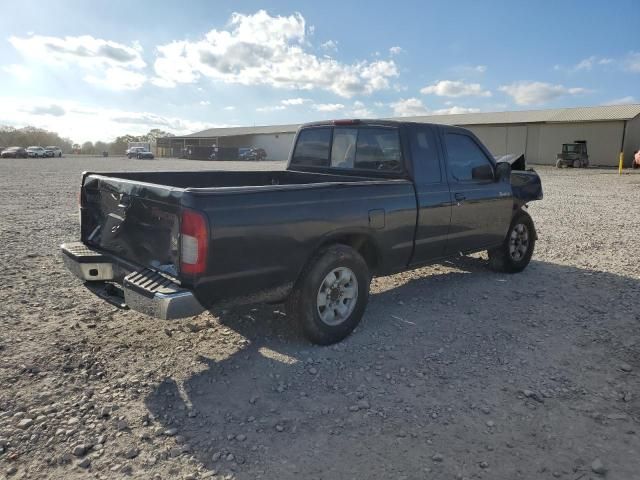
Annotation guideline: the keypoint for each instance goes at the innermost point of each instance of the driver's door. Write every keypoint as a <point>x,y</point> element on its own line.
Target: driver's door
<point>482,207</point>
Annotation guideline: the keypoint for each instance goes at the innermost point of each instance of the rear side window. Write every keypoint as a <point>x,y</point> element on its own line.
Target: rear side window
<point>312,148</point>
<point>343,151</point>
<point>467,162</point>
<point>424,153</point>
<point>378,149</point>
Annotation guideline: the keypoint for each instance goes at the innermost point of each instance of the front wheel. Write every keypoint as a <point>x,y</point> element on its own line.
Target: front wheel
<point>516,250</point>
<point>331,295</point>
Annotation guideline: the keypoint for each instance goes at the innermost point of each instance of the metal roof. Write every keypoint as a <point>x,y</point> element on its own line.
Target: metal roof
<point>580,114</point>
<point>237,131</point>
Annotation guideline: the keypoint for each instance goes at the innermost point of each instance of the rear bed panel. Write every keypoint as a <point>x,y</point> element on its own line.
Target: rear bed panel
<point>136,221</point>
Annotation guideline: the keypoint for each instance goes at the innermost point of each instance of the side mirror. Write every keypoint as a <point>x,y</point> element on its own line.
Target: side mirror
<point>482,172</point>
<point>503,172</point>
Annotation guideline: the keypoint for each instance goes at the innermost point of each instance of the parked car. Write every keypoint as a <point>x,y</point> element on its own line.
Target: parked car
<point>144,154</point>
<point>14,152</point>
<point>351,205</point>
<point>53,151</point>
<point>138,152</point>
<point>252,154</point>
<point>36,152</point>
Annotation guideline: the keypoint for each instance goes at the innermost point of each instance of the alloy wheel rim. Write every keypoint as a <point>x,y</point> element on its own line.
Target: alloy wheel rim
<point>337,296</point>
<point>519,242</point>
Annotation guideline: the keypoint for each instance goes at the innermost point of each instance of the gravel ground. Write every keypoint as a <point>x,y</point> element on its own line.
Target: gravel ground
<point>455,372</point>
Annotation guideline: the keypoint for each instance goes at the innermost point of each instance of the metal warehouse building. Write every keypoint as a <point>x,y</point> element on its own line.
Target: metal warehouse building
<point>276,140</point>
<point>539,134</point>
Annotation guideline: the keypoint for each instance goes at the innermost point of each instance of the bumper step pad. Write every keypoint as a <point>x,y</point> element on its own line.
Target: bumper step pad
<point>147,282</point>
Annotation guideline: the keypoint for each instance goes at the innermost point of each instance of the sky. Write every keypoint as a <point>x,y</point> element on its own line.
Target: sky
<point>96,70</point>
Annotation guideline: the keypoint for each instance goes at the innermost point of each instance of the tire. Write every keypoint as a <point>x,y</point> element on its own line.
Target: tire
<point>324,310</point>
<point>558,163</point>
<point>516,251</point>
<point>577,164</point>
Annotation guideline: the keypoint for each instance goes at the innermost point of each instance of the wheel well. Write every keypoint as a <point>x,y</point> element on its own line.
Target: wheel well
<point>361,244</point>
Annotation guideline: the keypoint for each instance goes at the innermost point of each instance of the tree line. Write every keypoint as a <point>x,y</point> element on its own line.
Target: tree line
<point>27,136</point>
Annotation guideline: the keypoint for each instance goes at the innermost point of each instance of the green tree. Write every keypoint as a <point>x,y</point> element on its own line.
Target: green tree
<point>88,148</point>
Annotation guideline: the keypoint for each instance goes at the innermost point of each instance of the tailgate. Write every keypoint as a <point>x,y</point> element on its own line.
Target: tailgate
<point>136,221</point>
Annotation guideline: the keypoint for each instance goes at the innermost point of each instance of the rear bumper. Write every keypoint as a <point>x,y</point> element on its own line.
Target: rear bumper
<point>145,291</point>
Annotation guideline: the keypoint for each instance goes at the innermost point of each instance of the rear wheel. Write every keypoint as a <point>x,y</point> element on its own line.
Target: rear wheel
<point>577,164</point>
<point>331,295</point>
<point>558,163</point>
<point>516,250</point>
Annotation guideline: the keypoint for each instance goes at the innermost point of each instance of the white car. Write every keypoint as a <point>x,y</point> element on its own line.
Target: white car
<point>36,152</point>
<point>53,151</point>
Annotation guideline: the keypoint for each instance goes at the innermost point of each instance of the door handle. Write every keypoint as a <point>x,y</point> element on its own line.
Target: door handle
<point>460,197</point>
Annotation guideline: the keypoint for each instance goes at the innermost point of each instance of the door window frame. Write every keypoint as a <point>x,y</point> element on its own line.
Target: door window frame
<point>450,177</point>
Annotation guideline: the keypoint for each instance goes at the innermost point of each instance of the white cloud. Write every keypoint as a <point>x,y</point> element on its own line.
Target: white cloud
<point>54,110</point>
<point>621,101</point>
<point>360,110</point>
<point>327,107</point>
<point>536,93</point>
<point>70,119</point>
<point>413,107</point>
<point>455,89</point>
<point>261,49</point>
<point>409,107</point>
<point>19,71</point>
<point>106,63</point>
<point>84,50</point>
<point>395,50</point>
<point>204,103</point>
<point>469,70</point>
<point>116,78</point>
<point>330,45</point>
<point>588,63</point>
<point>271,108</point>
<point>229,108</point>
<point>295,101</point>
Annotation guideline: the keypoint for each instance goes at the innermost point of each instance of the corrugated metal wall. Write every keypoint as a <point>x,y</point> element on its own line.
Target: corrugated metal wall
<point>542,142</point>
<point>604,140</point>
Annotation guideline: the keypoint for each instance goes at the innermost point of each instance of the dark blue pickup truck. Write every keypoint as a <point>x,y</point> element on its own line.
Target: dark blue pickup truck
<point>358,199</point>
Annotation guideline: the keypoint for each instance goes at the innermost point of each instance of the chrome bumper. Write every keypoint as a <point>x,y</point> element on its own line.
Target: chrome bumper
<point>163,299</point>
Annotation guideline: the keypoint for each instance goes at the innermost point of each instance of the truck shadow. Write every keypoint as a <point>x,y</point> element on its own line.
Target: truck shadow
<point>282,408</point>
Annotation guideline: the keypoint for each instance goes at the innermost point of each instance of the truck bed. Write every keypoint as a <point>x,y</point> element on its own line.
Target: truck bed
<point>136,216</point>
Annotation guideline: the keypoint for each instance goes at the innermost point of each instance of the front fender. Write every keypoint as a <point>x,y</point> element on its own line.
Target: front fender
<point>526,186</point>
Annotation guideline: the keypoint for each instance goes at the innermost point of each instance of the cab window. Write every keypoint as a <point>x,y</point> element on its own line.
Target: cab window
<point>312,147</point>
<point>378,149</point>
<point>466,161</point>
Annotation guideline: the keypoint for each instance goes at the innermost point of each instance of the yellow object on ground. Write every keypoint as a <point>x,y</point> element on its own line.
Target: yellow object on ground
<point>620,163</point>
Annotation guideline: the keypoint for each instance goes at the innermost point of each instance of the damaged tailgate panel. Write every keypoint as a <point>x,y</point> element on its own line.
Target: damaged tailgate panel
<point>136,221</point>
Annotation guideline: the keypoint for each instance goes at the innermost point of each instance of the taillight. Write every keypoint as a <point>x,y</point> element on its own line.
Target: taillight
<point>194,241</point>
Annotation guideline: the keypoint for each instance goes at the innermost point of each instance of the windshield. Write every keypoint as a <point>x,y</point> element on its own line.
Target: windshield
<point>572,147</point>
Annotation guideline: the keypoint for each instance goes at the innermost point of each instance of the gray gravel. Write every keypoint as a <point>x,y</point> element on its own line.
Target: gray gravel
<point>456,372</point>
